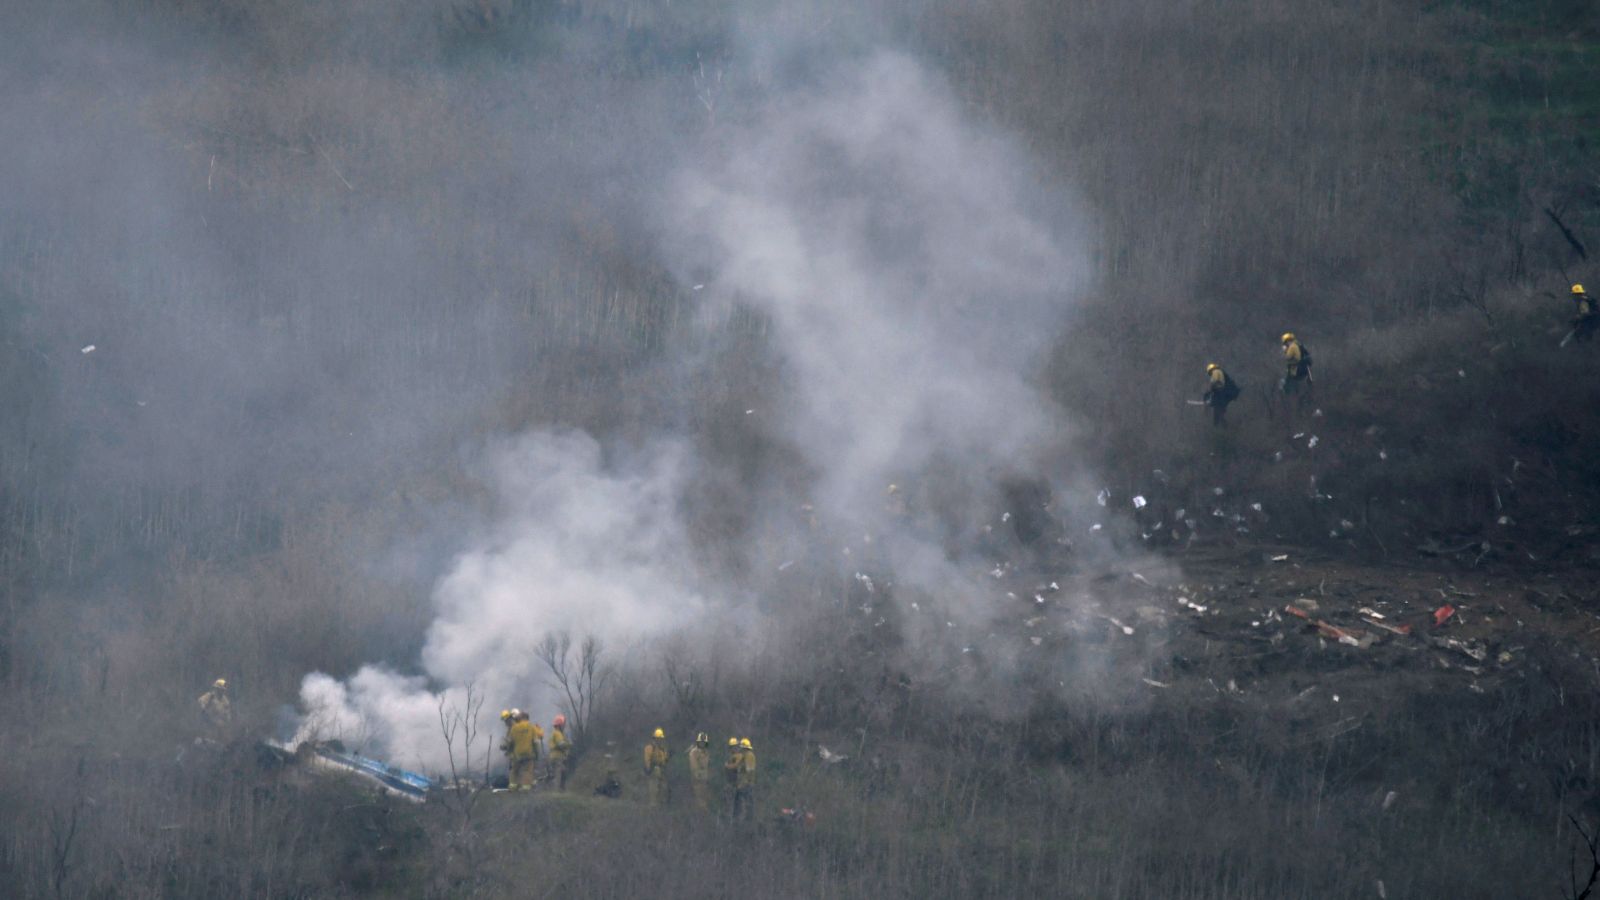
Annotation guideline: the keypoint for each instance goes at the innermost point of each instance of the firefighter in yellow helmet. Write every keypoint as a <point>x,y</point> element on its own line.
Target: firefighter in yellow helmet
<point>216,707</point>
<point>560,748</point>
<point>1297,379</point>
<point>700,771</point>
<point>524,756</point>
<point>508,718</point>
<point>1221,390</point>
<point>1585,314</point>
<point>744,782</point>
<point>730,766</point>
<point>656,756</point>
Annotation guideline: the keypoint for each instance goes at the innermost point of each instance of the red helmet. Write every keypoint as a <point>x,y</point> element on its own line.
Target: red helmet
<point>561,721</point>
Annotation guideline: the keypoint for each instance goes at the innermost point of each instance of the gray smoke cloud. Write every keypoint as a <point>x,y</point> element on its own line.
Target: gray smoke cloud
<point>913,267</point>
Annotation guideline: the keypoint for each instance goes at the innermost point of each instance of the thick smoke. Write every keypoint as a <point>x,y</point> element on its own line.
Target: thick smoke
<point>913,269</point>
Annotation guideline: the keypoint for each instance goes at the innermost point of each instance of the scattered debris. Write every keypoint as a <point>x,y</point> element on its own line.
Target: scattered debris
<point>830,757</point>
<point>1312,444</point>
<point>87,350</point>
<point>1154,683</point>
<point>1388,801</point>
<point>1102,497</point>
<point>1281,557</point>
<point>1140,503</point>
<point>785,566</point>
<point>1443,614</point>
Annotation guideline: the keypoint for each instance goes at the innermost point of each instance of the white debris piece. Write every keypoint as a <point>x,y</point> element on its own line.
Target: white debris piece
<point>1102,497</point>
<point>1504,520</point>
<point>1277,457</point>
<point>1005,517</point>
<point>1140,503</point>
<point>1346,524</point>
<point>1256,507</point>
<point>1280,557</point>
<point>1179,514</point>
<point>1126,629</point>
<point>1311,444</point>
<point>1096,527</point>
<point>830,757</point>
<point>87,350</point>
<point>699,287</point>
<point>997,572</point>
<point>785,566</point>
<point>1383,454</point>
<point>749,412</point>
<point>1317,414</point>
<point>1461,372</point>
<point>1036,641</point>
<point>1142,580</point>
<point>865,581</point>
<point>1217,491</point>
<point>1298,435</point>
<point>1038,598</point>
<point>1155,684</point>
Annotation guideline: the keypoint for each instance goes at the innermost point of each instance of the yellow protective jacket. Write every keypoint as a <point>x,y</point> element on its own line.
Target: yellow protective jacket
<point>1291,358</point>
<point>699,763</point>
<point>559,745</point>
<point>216,706</point>
<point>656,756</point>
<point>747,770</point>
<point>522,746</point>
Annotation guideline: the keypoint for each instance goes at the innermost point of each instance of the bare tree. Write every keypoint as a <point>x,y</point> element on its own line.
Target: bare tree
<point>459,727</point>
<point>579,679</point>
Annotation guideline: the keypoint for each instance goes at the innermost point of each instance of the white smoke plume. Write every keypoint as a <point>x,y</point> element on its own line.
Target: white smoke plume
<point>913,268</point>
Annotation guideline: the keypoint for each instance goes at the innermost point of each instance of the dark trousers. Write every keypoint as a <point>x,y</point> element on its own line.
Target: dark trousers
<point>744,804</point>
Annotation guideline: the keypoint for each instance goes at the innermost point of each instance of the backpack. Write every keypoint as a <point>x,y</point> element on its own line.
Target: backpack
<point>1230,388</point>
<point>1305,358</point>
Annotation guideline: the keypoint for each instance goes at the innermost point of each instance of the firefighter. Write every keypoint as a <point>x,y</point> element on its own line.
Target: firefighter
<point>1297,379</point>
<point>1221,390</point>
<point>560,747</point>
<point>524,753</point>
<point>700,771</point>
<point>1586,314</point>
<point>507,718</point>
<point>656,756</point>
<point>216,707</point>
<point>745,782</point>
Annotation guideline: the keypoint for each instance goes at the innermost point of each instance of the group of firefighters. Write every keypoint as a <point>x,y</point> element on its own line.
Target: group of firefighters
<point>523,746</point>
<point>1296,383</point>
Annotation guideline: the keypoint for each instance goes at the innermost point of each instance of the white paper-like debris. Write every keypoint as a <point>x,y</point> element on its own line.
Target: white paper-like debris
<point>749,412</point>
<point>699,287</point>
<point>1036,641</point>
<point>1180,514</point>
<point>1277,457</point>
<point>1102,497</point>
<point>1155,684</point>
<point>1504,520</point>
<point>1280,557</point>
<point>1037,598</point>
<point>1346,524</point>
<point>1313,442</point>
<point>1383,454</point>
<point>1005,517</point>
<point>997,572</point>
<point>1140,503</point>
<point>1142,580</point>
<point>1217,491</point>
<point>785,566</point>
<point>1317,414</point>
<point>87,350</point>
<point>1461,372</point>
<point>1096,527</point>
<point>1256,507</point>
<point>1298,435</point>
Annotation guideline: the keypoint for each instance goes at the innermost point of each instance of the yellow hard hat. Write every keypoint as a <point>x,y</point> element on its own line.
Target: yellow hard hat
<point>1211,367</point>
<point>733,742</point>
<point>1577,289</point>
<point>744,744</point>
<point>220,683</point>
<point>1288,336</point>
<point>505,714</point>
<point>660,733</point>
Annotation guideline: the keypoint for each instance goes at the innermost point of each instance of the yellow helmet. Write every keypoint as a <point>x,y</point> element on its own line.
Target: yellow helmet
<point>505,715</point>
<point>733,742</point>
<point>660,733</point>
<point>1288,336</point>
<point>744,744</point>
<point>220,683</point>
<point>1577,289</point>
<point>1211,367</point>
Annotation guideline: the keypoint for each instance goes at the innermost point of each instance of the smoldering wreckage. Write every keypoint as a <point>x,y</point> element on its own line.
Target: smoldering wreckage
<point>1294,629</point>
